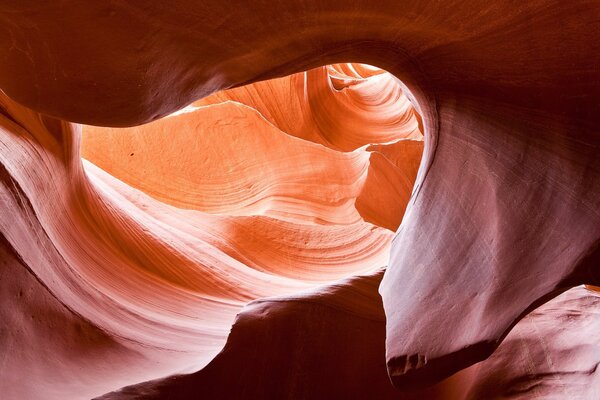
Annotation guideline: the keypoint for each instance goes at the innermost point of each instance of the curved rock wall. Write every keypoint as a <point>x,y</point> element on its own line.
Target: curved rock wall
<point>503,216</point>
<point>239,210</point>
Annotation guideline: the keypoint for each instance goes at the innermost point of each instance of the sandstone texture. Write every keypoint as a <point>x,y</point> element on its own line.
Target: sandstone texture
<point>316,199</point>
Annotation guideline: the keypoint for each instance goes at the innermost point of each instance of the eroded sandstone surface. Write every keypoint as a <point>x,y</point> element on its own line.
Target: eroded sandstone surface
<point>195,188</point>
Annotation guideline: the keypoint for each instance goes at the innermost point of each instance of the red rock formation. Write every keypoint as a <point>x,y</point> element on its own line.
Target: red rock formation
<point>276,352</point>
<point>155,286</point>
<point>230,160</point>
<point>309,105</point>
<point>503,217</point>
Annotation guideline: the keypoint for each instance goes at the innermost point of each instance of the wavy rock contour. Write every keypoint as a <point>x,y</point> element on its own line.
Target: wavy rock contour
<point>503,216</point>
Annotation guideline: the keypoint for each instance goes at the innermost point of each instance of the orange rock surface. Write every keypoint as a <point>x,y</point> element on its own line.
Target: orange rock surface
<point>215,206</point>
<point>235,163</point>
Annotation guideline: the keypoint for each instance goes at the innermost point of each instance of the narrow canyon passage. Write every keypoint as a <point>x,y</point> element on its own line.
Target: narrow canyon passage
<point>210,200</point>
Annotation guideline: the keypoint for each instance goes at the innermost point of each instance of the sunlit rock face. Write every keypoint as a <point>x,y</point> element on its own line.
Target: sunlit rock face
<point>317,146</point>
<point>243,217</point>
<point>152,243</point>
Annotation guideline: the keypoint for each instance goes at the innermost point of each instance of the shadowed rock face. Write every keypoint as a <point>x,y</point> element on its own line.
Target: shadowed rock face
<point>503,217</point>
<point>330,344</point>
<point>327,343</point>
<point>552,353</point>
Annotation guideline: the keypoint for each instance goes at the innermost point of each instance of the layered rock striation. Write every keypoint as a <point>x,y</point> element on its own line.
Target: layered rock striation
<point>145,258</point>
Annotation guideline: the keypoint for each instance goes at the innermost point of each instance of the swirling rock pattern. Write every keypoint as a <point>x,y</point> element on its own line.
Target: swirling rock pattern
<point>154,288</point>
<point>503,216</point>
<point>231,160</point>
<point>308,105</point>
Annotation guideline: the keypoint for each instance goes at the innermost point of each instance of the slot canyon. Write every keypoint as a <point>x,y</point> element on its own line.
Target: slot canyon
<point>308,199</point>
